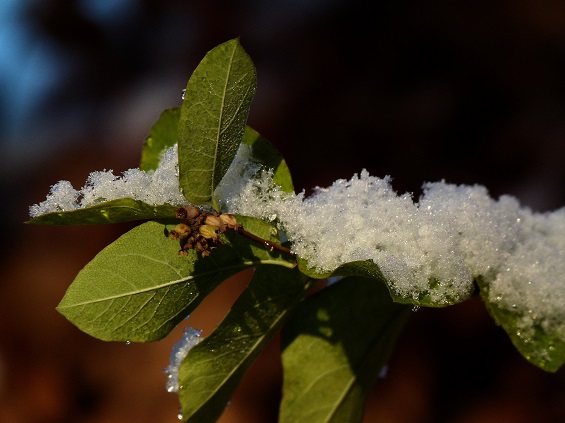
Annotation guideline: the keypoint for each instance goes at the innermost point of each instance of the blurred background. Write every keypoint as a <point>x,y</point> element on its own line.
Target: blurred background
<point>469,92</point>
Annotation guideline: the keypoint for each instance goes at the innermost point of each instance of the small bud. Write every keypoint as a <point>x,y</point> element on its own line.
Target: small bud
<point>181,213</point>
<point>214,222</point>
<point>207,232</point>
<point>181,231</point>
<point>229,220</point>
<point>201,245</point>
<point>192,212</point>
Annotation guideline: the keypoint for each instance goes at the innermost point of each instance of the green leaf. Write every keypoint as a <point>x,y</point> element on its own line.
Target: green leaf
<point>138,288</point>
<point>265,153</point>
<point>369,269</point>
<point>120,210</point>
<point>163,134</point>
<point>334,349</point>
<point>366,268</point>
<point>537,343</point>
<point>212,369</point>
<point>212,121</point>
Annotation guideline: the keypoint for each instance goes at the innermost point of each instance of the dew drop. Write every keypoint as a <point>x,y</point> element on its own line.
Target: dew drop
<point>179,415</point>
<point>415,308</point>
<point>128,342</point>
<point>183,94</point>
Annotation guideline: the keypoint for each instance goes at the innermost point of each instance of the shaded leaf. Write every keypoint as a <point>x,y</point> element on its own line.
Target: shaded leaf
<point>212,121</point>
<point>138,288</point>
<point>163,134</point>
<point>212,369</point>
<point>334,348</point>
<point>265,153</point>
<point>121,210</point>
<point>535,342</point>
<point>368,269</point>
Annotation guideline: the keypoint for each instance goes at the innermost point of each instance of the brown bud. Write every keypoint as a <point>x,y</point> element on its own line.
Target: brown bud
<point>180,213</point>
<point>192,212</point>
<point>181,231</point>
<point>214,222</point>
<point>229,220</point>
<point>201,245</point>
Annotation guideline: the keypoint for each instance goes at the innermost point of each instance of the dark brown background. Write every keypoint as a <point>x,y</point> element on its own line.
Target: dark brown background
<point>473,92</point>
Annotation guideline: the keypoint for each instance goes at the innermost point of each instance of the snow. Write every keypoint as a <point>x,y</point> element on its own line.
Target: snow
<point>154,187</point>
<point>190,338</point>
<point>435,246</point>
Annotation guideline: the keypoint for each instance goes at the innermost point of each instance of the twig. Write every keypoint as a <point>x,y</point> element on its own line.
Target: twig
<point>268,244</point>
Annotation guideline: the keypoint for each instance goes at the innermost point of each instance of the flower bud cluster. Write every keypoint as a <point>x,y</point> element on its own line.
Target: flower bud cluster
<point>200,230</point>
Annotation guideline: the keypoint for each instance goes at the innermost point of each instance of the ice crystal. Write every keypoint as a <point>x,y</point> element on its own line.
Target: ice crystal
<point>190,338</point>
<point>435,246</point>
<point>154,187</point>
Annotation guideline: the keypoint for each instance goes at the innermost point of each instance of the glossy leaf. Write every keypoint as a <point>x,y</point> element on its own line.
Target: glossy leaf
<point>369,269</point>
<point>163,134</point>
<point>138,288</point>
<point>265,153</point>
<point>539,346</point>
<point>213,117</point>
<point>334,348</point>
<point>121,210</point>
<point>212,369</point>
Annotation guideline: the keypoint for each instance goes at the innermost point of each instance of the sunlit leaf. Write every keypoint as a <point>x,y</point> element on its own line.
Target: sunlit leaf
<point>121,210</point>
<point>334,348</point>
<point>537,343</point>
<point>163,134</point>
<point>369,269</point>
<point>138,288</point>
<point>212,369</point>
<point>213,116</point>
<point>265,153</point>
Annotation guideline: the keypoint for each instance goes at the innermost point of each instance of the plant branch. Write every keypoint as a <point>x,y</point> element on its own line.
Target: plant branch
<point>268,244</point>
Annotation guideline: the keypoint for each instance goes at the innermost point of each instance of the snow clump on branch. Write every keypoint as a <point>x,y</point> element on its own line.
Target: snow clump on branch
<point>160,186</point>
<point>434,248</point>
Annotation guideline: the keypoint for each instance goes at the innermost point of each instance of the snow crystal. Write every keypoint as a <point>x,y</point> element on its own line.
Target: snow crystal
<point>436,246</point>
<point>154,187</point>
<point>190,338</point>
<point>237,175</point>
<point>62,197</point>
<point>433,247</point>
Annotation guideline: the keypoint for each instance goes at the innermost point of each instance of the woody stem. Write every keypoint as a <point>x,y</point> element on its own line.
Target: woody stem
<point>268,244</point>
